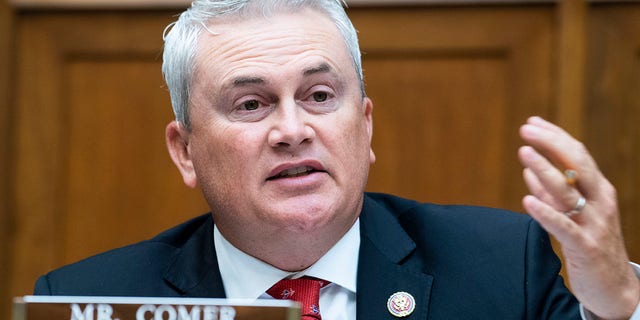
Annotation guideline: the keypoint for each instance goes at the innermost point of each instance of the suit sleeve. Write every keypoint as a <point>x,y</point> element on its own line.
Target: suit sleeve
<point>547,296</point>
<point>42,286</point>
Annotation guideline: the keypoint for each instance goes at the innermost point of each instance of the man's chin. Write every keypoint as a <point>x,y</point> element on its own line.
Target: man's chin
<point>312,211</point>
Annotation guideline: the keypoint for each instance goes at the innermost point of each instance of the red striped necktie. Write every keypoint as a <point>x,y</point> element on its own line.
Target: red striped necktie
<point>305,290</point>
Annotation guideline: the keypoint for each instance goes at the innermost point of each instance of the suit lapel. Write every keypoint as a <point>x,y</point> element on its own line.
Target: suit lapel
<point>387,265</point>
<point>195,271</point>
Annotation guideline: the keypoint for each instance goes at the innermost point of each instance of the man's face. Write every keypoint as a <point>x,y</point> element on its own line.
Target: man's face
<point>280,136</point>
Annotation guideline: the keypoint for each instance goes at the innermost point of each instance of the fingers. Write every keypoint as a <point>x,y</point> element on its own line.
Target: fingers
<point>563,152</point>
<point>591,241</point>
<point>560,226</point>
<point>546,182</point>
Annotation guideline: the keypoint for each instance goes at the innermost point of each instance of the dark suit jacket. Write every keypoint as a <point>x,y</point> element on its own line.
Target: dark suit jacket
<point>459,262</point>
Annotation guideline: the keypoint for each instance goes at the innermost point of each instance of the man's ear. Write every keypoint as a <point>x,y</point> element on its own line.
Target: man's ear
<point>177,138</point>
<point>368,114</point>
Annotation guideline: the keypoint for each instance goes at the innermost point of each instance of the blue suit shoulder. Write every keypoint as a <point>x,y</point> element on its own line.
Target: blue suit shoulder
<point>499,262</point>
<point>468,217</point>
<point>136,269</point>
<point>472,232</point>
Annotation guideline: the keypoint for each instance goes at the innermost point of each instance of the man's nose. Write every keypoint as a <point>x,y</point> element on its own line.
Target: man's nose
<point>291,127</point>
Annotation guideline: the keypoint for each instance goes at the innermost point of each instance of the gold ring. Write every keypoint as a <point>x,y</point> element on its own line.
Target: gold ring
<point>577,208</point>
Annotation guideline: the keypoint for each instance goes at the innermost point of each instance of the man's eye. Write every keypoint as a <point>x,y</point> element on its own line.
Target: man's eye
<point>251,105</point>
<point>320,96</point>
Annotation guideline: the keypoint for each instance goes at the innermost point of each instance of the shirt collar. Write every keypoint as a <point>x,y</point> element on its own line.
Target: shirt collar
<point>245,277</point>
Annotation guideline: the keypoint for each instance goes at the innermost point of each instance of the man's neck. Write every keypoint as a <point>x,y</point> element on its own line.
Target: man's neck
<point>246,277</point>
<point>291,251</point>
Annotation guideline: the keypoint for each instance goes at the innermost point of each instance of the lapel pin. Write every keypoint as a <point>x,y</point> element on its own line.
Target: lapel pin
<point>401,304</point>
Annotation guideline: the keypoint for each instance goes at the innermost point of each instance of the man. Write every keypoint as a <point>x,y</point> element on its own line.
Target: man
<point>273,125</point>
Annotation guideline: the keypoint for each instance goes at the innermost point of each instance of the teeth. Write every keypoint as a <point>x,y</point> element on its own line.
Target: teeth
<point>294,172</point>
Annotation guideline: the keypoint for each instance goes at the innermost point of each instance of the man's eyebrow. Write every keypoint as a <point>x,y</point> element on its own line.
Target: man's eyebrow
<point>323,67</point>
<point>246,80</point>
<point>241,81</point>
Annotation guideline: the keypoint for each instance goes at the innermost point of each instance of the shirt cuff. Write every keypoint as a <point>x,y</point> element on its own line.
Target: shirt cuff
<point>586,315</point>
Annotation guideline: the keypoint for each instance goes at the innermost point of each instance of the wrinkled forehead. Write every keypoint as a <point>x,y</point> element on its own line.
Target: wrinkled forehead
<point>278,36</point>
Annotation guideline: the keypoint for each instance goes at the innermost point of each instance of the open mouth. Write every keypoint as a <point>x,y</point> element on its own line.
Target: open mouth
<point>294,172</point>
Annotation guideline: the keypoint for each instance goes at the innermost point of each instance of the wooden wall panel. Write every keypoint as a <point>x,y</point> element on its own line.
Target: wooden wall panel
<point>440,141</point>
<point>88,168</point>
<point>570,68</point>
<point>613,107</point>
<point>450,88</point>
<point>117,159</point>
<point>6,71</point>
<point>92,165</point>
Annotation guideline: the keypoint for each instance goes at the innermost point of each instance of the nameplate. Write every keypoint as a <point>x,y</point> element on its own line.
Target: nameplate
<point>142,308</point>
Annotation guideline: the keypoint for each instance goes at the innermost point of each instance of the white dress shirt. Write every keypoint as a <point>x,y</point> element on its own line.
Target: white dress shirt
<point>245,277</point>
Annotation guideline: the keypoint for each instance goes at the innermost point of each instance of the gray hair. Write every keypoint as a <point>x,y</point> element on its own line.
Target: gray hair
<point>181,38</point>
